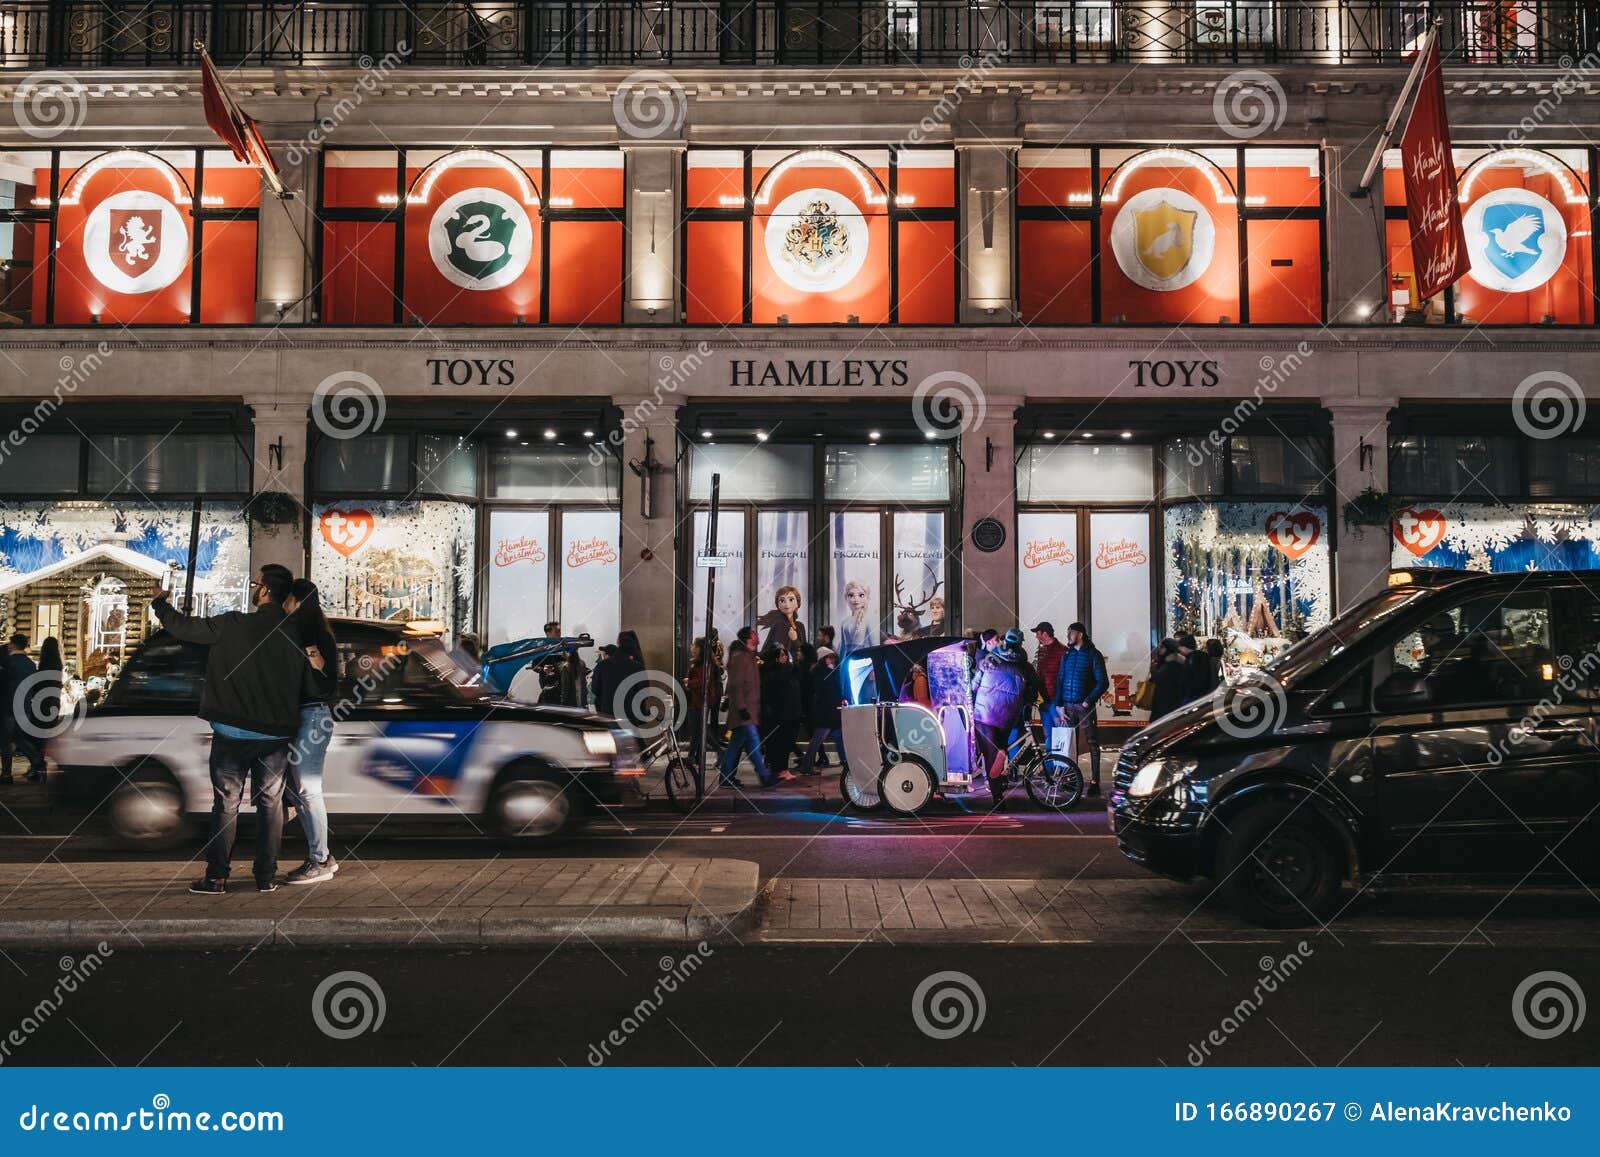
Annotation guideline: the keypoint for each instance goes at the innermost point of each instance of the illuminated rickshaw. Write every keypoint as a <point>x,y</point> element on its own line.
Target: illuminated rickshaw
<point>902,748</point>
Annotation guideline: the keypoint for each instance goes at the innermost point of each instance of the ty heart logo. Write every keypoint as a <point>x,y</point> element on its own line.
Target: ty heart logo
<point>346,531</point>
<point>1294,534</point>
<point>1419,531</point>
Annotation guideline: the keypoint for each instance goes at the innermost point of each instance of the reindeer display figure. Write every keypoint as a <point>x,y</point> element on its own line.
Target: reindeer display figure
<point>908,619</point>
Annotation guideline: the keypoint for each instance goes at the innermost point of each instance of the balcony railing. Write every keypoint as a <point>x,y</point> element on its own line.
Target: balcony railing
<point>761,33</point>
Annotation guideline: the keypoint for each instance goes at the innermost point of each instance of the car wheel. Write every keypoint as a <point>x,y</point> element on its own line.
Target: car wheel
<point>907,785</point>
<point>860,798</point>
<point>527,809</point>
<point>145,811</point>
<point>1279,867</point>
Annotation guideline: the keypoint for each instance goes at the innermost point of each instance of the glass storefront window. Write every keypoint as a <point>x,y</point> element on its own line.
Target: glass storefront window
<point>1255,575</point>
<point>854,572</point>
<point>519,574</point>
<point>591,574</point>
<point>552,474</point>
<point>1086,473</point>
<point>730,609</point>
<point>1496,537</point>
<point>1047,567</point>
<point>919,574</point>
<point>1454,464</point>
<point>1119,600</point>
<point>373,462</point>
<point>447,464</point>
<point>176,463</point>
<point>1194,467</point>
<point>398,560</point>
<point>42,464</point>
<point>1564,468</point>
<point>783,577</point>
<point>751,473</point>
<point>86,572</point>
<point>897,473</point>
<point>1271,464</point>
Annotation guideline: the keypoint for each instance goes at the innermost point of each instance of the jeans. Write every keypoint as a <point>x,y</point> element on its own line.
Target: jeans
<point>232,760</point>
<point>744,737</point>
<point>14,738</point>
<point>307,754</point>
<point>819,736</point>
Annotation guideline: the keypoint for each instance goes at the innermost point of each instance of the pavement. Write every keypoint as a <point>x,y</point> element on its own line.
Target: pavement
<point>370,903</point>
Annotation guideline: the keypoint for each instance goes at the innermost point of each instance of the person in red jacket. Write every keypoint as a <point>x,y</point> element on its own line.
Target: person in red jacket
<point>1048,663</point>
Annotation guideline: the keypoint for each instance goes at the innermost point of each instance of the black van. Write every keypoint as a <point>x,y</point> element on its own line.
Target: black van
<point>1444,728</point>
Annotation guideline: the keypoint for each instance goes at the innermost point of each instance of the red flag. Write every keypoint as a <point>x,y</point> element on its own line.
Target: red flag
<point>237,128</point>
<point>1438,243</point>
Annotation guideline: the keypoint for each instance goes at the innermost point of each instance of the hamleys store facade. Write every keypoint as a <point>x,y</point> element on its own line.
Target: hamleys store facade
<point>1026,364</point>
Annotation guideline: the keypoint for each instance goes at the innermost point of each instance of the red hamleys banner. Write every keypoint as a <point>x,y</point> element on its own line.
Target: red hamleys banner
<point>1438,243</point>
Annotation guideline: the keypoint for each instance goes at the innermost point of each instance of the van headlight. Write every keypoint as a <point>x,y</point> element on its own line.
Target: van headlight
<point>1158,775</point>
<point>600,742</point>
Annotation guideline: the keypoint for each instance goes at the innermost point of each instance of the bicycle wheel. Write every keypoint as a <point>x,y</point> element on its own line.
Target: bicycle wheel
<point>1053,781</point>
<point>685,783</point>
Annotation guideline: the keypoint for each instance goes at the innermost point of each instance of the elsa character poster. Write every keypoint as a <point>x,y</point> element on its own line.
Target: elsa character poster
<point>854,566</point>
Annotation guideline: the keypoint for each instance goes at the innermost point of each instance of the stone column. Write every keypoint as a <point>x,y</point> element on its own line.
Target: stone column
<point>984,224</point>
<point>280,465</point>
<point>649,574</point>
<point>283,261</point>
<point>654,207</point>
<point>1361,557</point>
<point>1358,276</point>
<point>989,490</point>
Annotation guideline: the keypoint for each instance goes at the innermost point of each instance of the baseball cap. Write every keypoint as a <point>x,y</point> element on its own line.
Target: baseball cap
<point>1013,638</point>
<point>1046,627</point>
<point>824,653</point>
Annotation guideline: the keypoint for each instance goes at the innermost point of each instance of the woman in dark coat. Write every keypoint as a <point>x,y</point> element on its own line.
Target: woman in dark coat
<point>1167,670</point>
<point>780,708</point>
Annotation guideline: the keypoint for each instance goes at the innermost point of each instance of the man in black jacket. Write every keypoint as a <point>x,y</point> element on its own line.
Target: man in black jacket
<point>255,672</point>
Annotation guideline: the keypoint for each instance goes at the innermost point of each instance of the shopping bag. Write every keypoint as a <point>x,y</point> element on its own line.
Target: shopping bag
<point>1144,696</point>
<point>1064,738</point>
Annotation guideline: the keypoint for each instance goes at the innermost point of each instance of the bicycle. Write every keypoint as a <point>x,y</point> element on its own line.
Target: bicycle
<point>684,778</point>
<point>1053,780</point>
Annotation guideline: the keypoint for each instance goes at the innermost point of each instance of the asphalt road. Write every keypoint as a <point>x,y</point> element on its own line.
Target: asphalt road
<point>766,1005</point>
<point>783,835</point>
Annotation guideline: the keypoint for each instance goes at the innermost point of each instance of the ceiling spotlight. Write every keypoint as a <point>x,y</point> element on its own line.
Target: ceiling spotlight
<point>1127,434</point>
<point>874,434</point>
<point>511,433</point>
<point>1087,436</point>
<point>761,435</point>
<point>1049,433</point>
<point>705,433</point>
<point>588,433</point>
<point>549,435</point>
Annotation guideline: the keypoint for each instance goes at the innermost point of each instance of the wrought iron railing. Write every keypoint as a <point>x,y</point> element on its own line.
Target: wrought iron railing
<point>760,33</point>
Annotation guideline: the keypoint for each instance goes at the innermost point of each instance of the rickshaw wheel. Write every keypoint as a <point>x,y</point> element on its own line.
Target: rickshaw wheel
<point>855,797</point>
<point>907,785</point>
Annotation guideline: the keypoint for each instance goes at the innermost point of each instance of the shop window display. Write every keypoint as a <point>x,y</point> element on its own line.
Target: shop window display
<point>479,232</point>
<point>400,560</point>
<point>1526,214</point>
<point>1255,575</point>
<point>731,610</point>
<point>125,236</point>
<point>833,236</point>
<point>1498,538</point>
<point>87,573</point>
<point>783,577</point>
<point>591,574</point>
<point>854,546</point>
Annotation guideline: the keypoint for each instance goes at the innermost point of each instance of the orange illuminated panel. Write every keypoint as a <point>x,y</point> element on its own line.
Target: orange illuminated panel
<point>228,272</point>
<point>1283,178</point>
<point>716,180</point>
<point>927,279</point>
<point>1054,273</point>
<point>1059,177</point>
<point>228,184</point>
<point>588,179</point>
<point>926,178</point>
<point>357,273</point>
<point>714,273</point>
<point>1528,231</point>
<point>1285,272</point>
<point>359,179</point>
<point>586,272</point>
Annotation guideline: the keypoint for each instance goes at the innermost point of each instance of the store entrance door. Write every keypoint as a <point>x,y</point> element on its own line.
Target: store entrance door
<point>1094,565</point>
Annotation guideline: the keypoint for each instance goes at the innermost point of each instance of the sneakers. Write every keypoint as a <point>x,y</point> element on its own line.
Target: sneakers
<point>312,872</point>
<point>209,887</point>
<point>266,885</point>
<point>1094,788</point>
<point>35,775</point>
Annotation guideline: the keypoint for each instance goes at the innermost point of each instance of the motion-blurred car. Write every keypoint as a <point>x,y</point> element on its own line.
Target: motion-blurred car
<point>416,737</point>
